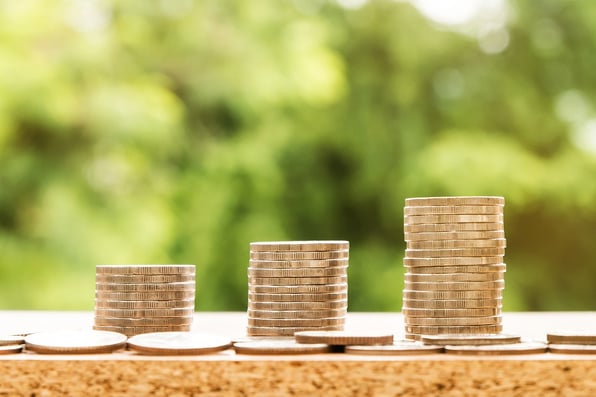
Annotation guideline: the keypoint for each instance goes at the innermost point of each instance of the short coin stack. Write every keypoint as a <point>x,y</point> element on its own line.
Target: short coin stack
<point>297,286</point>
<point>136,299</point>
<point>454,261</point>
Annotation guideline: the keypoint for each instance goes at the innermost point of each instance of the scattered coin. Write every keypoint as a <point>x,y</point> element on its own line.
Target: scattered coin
<point>11,349</point>
<point>323,297</point>
<point>298,289</point>
<point>298,264</point>
<point>454,277</point>
<point>453,227</point>
<point>398,348</point>
<point>475,340</point>
<point>448,295</point>
<point>144,304</point>
<point>451,313</point>
<point>143,278</point>
<point>453,209</point>
<point>75,342</point>
<point>298,255</point>
<point>476,261</point>
<point>572,337</point>
<point>435,270</point>
<point>436,236</point>
<point>453,321</point>
<point>449,218</point>
<point>323,245</point>
<point>145,269</point>
<point>344,338</point>
<point>280,347</point>
<point>451,244</point>
<point>310,272</point>
<point>412,304</point>
<point>286,331</point>
<point>176,343</point>
<point>455,286</point>
<point>11,340</point>
<point>497,350</point>
<point>282,306</point>
<point>456,200</point>
<point>295,281</point>
<point>572,349</point>
<point>146,287</point>
<point>307,314</point>
<point>144,296</point>
<point>464,329</point>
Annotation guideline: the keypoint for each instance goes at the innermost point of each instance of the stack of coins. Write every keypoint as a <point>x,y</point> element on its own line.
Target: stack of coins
<point>136,299</point>
<point>297,286</point>
<point>454,261</point>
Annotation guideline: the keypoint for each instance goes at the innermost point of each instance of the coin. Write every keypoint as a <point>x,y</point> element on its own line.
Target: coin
<point>75,342</point>
<point>256,297</point>
<point>286,331</point>
<point>433,236</point>
<point>136,322</point>
<point>280,347</point>
<point>297,281</point>
<point>297,289</point>
<point>11,349</point>
<point>572,337</point>
<point>176,343</point>
<point>129,331</point>
<point>271,314</point>
<point>449,218</point>
<point>453,227</point>
<point>486,294</point>
<point>454,277</point>
<point>451,313</point>
<point>467,269</point>
<point>447,244</point>
<point>139,296</point>
<point>311,272</point>
<point>463,329</point>
<point>398,348</point>
<point>296,322</point>
<point>459,339</point>
<point>452,304</point>
<point>453,209</point>
<point>453,321</point>
<point>456,200</point>
<point>11,340</point>
<point>144,304</point>
<point>322,245</point>
<point>455,286</point>
<point>145,287</point>
<point>298,255</point>
<point>455,252</point>
<point>497,350</point>
<point>344,338</point>
<point>143,278</point>
<point>298,264</point>
<point>325,305</point>
<point>454,261</point>
<point>141,313</point>
<point>572,349</point>
<point>145,269</point>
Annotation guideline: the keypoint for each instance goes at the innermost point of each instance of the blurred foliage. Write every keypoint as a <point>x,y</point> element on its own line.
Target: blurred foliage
<point>179,131</point>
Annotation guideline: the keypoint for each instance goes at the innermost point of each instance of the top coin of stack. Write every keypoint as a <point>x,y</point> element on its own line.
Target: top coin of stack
<point>136,299</point>
<point>297,286</point>
<point>454,261</point>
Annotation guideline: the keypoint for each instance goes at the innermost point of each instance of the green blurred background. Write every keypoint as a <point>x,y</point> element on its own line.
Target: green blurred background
<point>178,131</point>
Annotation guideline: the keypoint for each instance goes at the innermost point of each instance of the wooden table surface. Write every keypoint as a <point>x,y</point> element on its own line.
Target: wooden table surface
<point>227,373</point>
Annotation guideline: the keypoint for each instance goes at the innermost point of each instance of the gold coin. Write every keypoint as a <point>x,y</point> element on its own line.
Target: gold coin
<point>255,297</point>
<point>463,329</point>
<point>451,313</point>
<point>75,342</point>
<point>11,349</point>
<point>398,348</point>
<point>144,304</point>
<point>572,349</point>
<point>176,343</point>
<point>572,337</point>
<point>286,331</point>
<point>454,236</point>
<point>130,331</point>
<point>498,350</point>
<point>470,340</point>
<point>454,227</point>
<point>456,200</point>
<point>143,313</point>
<point>326,305</point>
<point>453,321</point>
<point>298,289</point>
<point>455,252</point>
<point>454,277</point>
<point>143,322</point>
<point>299,264</point>
<point>446,244</point>
<point>145,269</point>
<point>465,269</point>
<point>344,338</point>
<point>139,296</point>
<point>143,278</point>
<point>157,287</point>
<point>455,286</point>
<point>452,304</point>
<point>296,281</point>
<point>454,261</point>
<point>448,218</point>
<point>280,347</point>
<point>454,209</point>
<point>311,272</point>
<point>298,255</point>
<point>270,314</point>
<point>296,322</point>
<point>487,294</point>
<point>11,340</point>
<point>322,245</point>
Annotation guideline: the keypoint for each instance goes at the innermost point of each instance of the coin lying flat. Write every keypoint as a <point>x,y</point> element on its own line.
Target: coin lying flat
<point>143,278</point>
<point>449,244</point>
<point>286,331</point>
<point>449,218</point>
<point>343,338</point>
<point>476,261</point>
<point>453,209</point>
<point>75,342</point>
<point>143,313</point>
<point>296,322</point>
<point>147,321</point>
<point>436,236</point>
<point>470,340</point>
<point>11,340</point>
<point>145,269</point>
<point>144,304</point>
<point>454,277</point>
<point>571,349</point>
<point>453,227</point>
<point>307,272</point>
<point>497,350</point>
<point>11,349</point>
<point>451,313</point>
<point>455,286</point>
<point>436,270</point>
<point>130,331</point>
<point>140,296</point>
<point>305,314</point>
<point>454,252</point>
<point>293,281</point>
<point>280,347</point>
<point>298,264</point>
<point>456,200</point>
<point>156,287</point>
<point>298,289</point>
<point>324,305</point>
<point>447,295</point>
<point>572,337</point>
<point>323,297</point>
<point>453,321</point>
<point>398,348</point>
<point>314,245</point>
<point>298,255</point>
<point>176,343</point>
<point>437,304</point>
<point>463,329</point>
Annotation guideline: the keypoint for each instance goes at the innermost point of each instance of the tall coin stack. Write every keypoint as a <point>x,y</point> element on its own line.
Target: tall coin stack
<point>297,286</point>
<point>136,299</point>
<point>454,261</point>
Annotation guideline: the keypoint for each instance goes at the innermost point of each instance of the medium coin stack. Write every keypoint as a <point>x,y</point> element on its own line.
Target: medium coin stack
<point>454,261</point>
<point>297,286</point>
<point>137,299</point>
